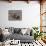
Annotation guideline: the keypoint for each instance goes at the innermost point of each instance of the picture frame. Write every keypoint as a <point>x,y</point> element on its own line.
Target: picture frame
<point>14,15</point>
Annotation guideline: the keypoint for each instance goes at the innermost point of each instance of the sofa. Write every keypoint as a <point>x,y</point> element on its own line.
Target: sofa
<point>16,33</point>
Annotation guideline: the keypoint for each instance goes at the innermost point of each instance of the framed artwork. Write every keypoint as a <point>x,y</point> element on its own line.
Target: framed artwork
<point>14,15</point>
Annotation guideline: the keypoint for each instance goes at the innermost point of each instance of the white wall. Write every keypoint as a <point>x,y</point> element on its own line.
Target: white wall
<point>30,14</point>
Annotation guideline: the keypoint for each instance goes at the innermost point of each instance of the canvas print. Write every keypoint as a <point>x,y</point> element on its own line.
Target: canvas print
<point>15,15</point>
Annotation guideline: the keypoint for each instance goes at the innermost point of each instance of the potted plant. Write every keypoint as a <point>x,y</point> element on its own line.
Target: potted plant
<point>37,33</point>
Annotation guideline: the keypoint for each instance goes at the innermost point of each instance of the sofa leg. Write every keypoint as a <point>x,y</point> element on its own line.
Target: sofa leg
<point>21,44</point>
<point>33,45</point>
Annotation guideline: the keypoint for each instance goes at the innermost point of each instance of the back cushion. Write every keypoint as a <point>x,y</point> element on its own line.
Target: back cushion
<point>23,31</point>
<point>17,30</point>
<point>11,30</point>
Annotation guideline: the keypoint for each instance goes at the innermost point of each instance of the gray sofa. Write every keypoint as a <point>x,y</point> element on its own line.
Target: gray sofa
<point>17,35</point>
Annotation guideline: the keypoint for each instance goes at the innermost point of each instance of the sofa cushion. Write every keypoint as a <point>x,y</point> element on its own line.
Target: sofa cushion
<point>22,38</point>
<point>17,30</point>
<point>11,30</point>
<point>23,31</point>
